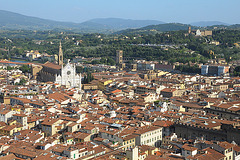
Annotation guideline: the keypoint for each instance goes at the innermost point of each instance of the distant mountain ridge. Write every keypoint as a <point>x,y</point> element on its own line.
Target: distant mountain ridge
<point>11,20</point>
<point>174,27</point>
<point>158,28</point>
<point>119,23</point>
<point>15,21</point>
<point>209,23</point>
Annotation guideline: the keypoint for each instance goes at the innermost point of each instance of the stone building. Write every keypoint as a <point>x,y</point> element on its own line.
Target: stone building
<point>68,76</point>
<point>119,57</point>
<point>169,92</point>
<point>58,73</point>
<point>226,132</point>
<point>48,72</point>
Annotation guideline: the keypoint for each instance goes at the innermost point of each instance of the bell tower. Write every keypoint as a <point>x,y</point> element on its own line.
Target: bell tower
<point>189,30</point>
<point>60,55</point>
<point>119,57</point>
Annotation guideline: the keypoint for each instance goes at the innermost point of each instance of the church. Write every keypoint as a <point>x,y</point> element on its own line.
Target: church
<point>58,73</point>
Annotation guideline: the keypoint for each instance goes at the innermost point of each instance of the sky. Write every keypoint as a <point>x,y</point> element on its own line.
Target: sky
<point>182,11</point>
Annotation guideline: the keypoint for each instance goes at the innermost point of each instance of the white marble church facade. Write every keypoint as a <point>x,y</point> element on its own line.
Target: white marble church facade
<point>59,73</point>
<point>68,76</point>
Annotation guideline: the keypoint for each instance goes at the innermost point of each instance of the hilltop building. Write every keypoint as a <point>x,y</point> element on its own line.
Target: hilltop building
<point>198,32</point>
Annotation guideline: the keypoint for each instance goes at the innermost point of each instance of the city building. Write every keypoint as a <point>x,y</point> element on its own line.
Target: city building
<point>119,57</point>
<point>214,70</point>
<point>58,73</point>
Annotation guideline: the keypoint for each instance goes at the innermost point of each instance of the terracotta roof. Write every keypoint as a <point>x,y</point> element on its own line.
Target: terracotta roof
<point>59,96</point>
<point>51,65</point>
<point>168,90</point>
<point>25,152</point>
<point>49,156</point>
<point>4,111</point>
<point>225,145</point>
<point>117,90</point>
<point>8,157</point>
<point>163,123</point>
<point>81,135</point>
<point>49,122</point>
<point>236,148</point>
<point>210,154</point>
<point>188,147</point>
<point>146,129</point>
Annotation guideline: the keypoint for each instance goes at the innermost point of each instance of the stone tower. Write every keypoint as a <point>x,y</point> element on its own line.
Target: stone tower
<point>60,55</point>
<point>119,57</point>
<point>189,30</point>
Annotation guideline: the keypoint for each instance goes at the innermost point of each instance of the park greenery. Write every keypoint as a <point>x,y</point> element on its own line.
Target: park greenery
<point>172,46</point>
<point>236,71</point>
<point>188,68</point>
<point>25,68</point>
<point>88,77</point>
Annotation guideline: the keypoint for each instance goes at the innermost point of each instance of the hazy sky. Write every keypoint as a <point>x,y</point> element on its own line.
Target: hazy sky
<point>184,11</point>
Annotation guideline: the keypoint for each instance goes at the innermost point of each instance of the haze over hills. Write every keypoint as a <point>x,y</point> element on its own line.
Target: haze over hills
<point>15,21</point>
<point>10,20</point>
<point>208,23</point>
<point>158,28</point>
<point>120,24</point>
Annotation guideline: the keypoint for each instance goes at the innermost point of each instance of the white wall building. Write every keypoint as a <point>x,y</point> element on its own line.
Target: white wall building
<point>69,77</point>
<point>149,135</point>
<point>204,69</point>
<point>6,115</point>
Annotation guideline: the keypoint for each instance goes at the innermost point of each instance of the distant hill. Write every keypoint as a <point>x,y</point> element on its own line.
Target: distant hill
<point>167,27</point>
<point>209,23</point>
<point>119,24</point>
<point>11,20</point>
<point>158,28</point>
<point>152,29</point>
<point>15,21</point>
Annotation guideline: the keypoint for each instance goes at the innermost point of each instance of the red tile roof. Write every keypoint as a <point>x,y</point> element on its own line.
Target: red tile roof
<point>51,65</point>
